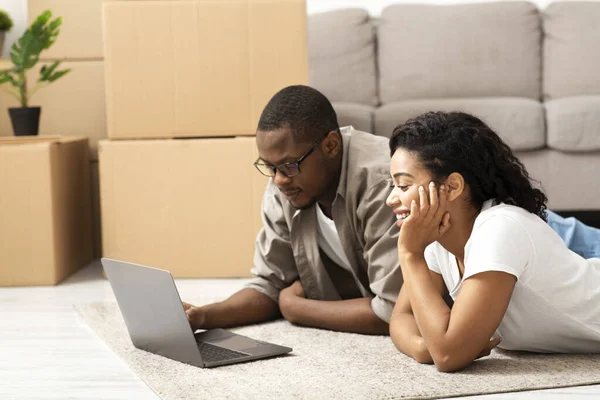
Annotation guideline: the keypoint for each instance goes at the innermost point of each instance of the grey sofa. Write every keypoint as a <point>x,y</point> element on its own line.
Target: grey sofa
<point>533,75</point>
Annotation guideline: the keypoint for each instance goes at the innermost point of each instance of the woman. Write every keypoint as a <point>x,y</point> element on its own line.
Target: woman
<point>473,224</point>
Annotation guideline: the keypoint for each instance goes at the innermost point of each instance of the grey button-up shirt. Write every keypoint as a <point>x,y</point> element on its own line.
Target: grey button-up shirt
<point>287,247</point>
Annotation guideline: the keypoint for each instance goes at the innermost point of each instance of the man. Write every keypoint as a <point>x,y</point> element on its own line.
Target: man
<point>326,256</point>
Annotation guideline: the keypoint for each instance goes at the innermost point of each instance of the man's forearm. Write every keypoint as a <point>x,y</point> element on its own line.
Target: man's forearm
<point>353,315</point>
<point>248,306</point>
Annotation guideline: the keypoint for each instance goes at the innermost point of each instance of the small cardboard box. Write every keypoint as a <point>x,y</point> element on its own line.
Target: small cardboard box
<point>199,68</point>
<point>188,206</point>
<point>74,105</point>
<point>45,209</point>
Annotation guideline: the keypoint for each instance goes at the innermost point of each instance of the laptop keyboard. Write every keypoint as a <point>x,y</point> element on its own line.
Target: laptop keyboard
<point>212,353</point>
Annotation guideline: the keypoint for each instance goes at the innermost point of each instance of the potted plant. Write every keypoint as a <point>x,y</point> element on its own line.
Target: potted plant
<point>6,24</point>
<point>25,54</point>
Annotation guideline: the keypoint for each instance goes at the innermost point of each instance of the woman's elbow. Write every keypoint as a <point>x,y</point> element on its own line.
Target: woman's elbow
<point>419,351</point>
<point>416,349</point>
<point>423,357</point>
<point>449,363</point>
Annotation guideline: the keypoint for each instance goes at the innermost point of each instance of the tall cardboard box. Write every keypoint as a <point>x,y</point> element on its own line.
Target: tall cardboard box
<point>189,206</point>
<point>199,67</point>
<point>45,209</point>
<point>81,30</point>
<point>74,105</point>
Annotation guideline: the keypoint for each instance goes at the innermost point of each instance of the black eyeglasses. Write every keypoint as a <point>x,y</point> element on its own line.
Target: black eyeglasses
<point>288,169</point>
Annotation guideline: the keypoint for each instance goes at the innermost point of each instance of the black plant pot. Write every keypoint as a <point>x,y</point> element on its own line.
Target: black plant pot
<point>25,120</point>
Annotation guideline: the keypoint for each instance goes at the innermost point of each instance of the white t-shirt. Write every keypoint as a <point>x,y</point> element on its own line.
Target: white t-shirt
<point>329,240</point>
<point>555,305</point>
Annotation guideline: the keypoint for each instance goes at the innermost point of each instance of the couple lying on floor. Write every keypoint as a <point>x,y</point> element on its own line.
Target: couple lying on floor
<point>447,246</point>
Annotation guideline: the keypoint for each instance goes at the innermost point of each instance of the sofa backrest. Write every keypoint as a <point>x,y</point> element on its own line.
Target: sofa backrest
<point>572,75</point>
<point>459,50</point>
<point>341,52</point>
<point>483,58</point>
<point>571,49</point>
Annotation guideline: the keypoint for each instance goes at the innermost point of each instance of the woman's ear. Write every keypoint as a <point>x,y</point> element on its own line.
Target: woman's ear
<point>456,185</point>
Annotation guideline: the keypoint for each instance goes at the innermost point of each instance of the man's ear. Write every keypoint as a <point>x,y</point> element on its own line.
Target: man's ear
<point>332,143</point>
<point>455,183</point>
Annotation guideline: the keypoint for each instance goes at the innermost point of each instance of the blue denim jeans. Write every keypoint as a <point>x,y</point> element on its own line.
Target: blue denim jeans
<point>579,238</point>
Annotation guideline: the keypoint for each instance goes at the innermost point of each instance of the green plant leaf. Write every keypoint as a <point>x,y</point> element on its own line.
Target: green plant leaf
<point>31,61</point>
<point>16,67</point>
<point>16,51</point>
<point>25,54</point>
<point>4,77</point>
<point>43,18</point>
<point>58,75</point>
<point>47,70</point>
<point>7,77</point>
<point>55,24</point>
<point>6,23</point>
<point>49,35</point>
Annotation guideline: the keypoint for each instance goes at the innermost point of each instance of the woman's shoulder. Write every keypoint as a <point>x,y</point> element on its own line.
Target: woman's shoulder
<point>506,228</point>
<point>503,240</point>
<point>510,216</point>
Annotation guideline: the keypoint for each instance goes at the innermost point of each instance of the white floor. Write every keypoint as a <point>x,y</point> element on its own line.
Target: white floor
<point>48,352</point>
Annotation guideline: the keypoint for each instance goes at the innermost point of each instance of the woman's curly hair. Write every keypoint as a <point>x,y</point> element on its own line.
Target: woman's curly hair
<point>447,142</point>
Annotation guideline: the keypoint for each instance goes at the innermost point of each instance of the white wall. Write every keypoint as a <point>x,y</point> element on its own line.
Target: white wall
<point>17,9</point>
<point>375,6</point>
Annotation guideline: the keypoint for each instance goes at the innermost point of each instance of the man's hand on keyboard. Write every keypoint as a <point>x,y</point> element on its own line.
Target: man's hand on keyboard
<point>195,315</point>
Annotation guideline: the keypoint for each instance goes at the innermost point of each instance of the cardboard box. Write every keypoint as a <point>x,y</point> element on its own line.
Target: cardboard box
<point>199,68</point>
<point>81,30</point>
<point>45,233</point>
<point>188,206</point>
<point>96,218</point>
<point>74,105</point>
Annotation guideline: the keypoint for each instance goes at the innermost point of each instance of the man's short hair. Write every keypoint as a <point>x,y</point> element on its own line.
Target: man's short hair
<point>305,111</point>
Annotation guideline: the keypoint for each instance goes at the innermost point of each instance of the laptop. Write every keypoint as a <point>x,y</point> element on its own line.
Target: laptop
<point>157,323</point>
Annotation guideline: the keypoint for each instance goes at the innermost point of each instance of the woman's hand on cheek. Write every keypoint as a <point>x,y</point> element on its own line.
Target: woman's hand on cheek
<point>428,221</point>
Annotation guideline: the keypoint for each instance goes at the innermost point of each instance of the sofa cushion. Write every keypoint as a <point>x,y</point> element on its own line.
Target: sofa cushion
<point>574,123</point>
<point>570,180</point>
<point>341,53</point>
<point>571,49</point>
<point>359,116</point>
<point>460,50</point>
<point>520,122</point>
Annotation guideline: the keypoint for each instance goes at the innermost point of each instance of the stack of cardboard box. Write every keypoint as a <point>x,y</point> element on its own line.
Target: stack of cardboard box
<point>75,104</point>
<point>186,82</point>
<point>49,184</point>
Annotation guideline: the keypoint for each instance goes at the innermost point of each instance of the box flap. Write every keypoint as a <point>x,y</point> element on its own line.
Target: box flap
<point>7,140</point>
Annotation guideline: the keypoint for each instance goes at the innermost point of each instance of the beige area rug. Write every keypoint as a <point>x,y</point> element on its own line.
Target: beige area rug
<point>331,365</point>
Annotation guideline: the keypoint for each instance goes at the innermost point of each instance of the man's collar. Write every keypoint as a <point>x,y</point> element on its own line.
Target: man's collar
<point>346,137</point>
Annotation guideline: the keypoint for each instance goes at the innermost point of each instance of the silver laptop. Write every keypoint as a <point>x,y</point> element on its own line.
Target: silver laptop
<point>156,321</point>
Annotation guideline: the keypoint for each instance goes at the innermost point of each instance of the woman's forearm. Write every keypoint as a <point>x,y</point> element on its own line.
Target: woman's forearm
<point>407,338</point>
<point>431,313</point>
